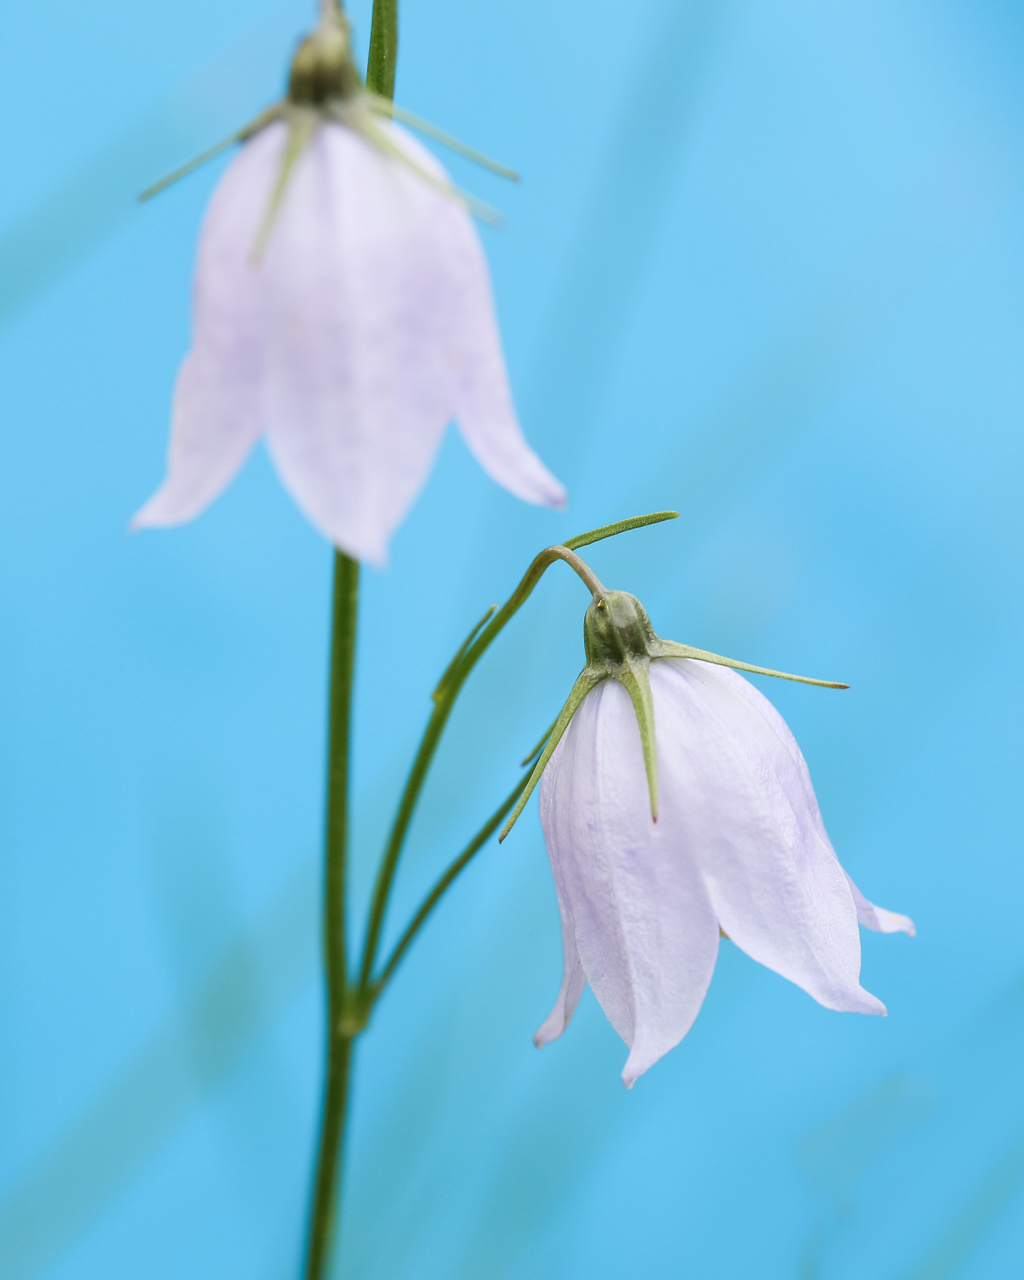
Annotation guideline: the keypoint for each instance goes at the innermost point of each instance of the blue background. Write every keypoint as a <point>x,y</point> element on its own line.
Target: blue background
<point>767,267</point>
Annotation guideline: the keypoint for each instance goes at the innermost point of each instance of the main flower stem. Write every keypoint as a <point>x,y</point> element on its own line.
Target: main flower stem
<point>328,1167</point>
<point>339,1033</point>
<point>345,1016</point>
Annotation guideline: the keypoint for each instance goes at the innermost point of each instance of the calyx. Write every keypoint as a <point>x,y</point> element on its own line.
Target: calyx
<point>621,644</point>
<point>322,69</point>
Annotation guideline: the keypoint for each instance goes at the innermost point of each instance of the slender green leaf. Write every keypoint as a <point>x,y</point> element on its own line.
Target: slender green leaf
<point>620,526</point>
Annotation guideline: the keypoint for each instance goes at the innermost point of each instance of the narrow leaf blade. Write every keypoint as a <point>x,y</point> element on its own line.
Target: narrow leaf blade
<point>620,526</point>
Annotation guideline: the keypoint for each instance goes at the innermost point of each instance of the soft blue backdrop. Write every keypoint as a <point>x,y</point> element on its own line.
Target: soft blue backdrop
<point>767,266</point>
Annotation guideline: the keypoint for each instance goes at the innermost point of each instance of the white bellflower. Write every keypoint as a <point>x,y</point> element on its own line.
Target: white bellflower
<point>342,311</point>
<point>738,847</point>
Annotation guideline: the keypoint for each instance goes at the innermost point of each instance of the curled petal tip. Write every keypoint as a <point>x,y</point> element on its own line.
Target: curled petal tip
<point>144,519</point>
<point>547,491</point>
<point>140,520</point>
<point>893,922</point>
<point>552,495</point>
<point>854,1000</point>
<point>880,919</point>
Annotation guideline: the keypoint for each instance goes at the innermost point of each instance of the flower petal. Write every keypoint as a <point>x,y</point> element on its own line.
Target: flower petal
<point>216,416</point>
<point>776,885</point>
<point>795,777</point>
<point>375,283</point>
<point>796,782</point>
<point>643,924</point>
<point>357,383</point>
<point>483,401</point>
<point>878,918</point>
<point>573,982</point>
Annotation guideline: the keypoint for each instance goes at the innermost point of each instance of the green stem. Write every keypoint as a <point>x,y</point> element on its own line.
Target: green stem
<point>444,700</point>
<point>380,64</point>
<point>435,895</point>
<point>341,1029</point>
<point>343,655</point>
<point>339,1043</point>
<point>444,696</point>
<point>329,1157</point>
<point>386,871</point>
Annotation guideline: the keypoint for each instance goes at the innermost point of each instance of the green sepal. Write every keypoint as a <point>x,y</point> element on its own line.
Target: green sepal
<point>364,123</point>
<point>589,677</point>
<point>634,676</point>
<point>670,649</point>
<point>303,123</point>
<point>385,107</point>
<point>276,112</point>
<point>539,747</point>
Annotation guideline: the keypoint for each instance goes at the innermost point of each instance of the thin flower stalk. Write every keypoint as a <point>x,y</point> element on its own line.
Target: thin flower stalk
<point>444,696</point>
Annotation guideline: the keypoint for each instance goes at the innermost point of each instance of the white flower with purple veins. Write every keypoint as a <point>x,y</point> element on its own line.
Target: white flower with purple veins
<point>676,806</point>
<point>342,311</point>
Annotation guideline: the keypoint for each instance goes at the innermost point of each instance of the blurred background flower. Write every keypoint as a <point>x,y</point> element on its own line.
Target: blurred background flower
<point>777,248</point>
<point>342,311</point>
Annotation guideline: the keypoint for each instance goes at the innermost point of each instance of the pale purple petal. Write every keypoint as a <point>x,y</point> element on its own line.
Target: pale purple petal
<point>371,276</point>
<point>483,401</point>
<point>216,415</point>
<point>364,329</point>
<point>573,982</point>
<point>878,918</point>
<point>795,780</point>
<point>776,885</point>
<point>795,777</point>
<point>643,924</point>
<point>357,385</point>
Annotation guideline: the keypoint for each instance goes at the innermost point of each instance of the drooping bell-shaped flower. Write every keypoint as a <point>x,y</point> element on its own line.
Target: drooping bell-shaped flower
<point>676,807</point>
<point>342,311</point>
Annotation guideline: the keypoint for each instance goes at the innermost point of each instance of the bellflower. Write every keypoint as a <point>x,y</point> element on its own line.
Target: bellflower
<point>677,807</point>
<point>343,311</point>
